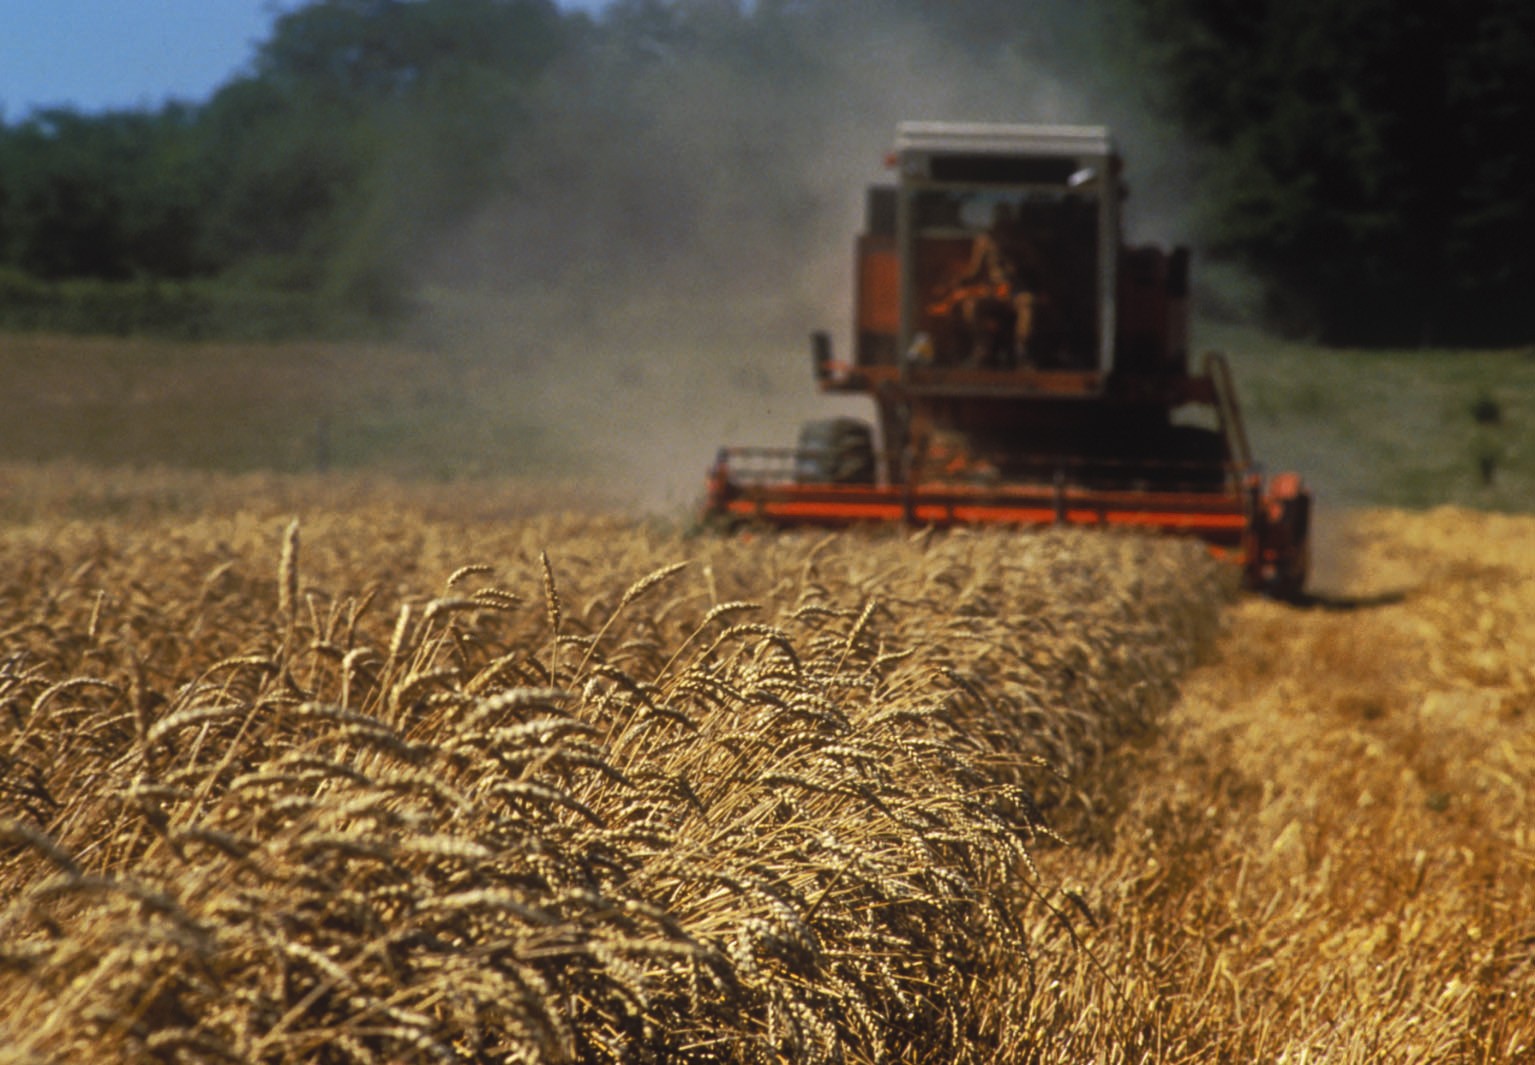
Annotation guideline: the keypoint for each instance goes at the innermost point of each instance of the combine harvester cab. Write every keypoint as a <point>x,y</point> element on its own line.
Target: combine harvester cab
<point>1026,367</point>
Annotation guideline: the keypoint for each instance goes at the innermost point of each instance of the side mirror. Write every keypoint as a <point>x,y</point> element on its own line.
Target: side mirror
<point>820,355</point>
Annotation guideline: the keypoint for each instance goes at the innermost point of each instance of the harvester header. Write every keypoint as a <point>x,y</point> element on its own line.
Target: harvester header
<point>1025,367</point>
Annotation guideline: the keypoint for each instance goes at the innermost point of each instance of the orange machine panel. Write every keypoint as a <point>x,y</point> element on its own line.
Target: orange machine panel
<point>879,299</point>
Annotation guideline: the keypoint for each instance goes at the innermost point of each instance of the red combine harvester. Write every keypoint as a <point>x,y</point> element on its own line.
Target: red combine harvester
<point>1026,367</point>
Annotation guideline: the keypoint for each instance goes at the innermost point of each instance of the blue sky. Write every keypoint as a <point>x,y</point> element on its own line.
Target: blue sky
<point>98,54</point>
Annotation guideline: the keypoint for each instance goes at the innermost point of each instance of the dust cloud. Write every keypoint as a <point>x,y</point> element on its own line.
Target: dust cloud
<point>685,211</point>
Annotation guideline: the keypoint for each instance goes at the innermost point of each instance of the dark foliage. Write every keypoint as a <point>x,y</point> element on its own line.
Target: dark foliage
<point>364,125</point>
<point>1369,158</point>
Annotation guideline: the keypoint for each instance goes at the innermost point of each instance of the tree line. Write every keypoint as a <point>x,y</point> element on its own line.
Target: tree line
<point>360,125</point>
<point>1370,158</point>
<point>1367,160</point>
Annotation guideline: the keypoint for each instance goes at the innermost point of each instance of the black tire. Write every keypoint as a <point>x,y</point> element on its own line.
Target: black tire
<point>835,451</point>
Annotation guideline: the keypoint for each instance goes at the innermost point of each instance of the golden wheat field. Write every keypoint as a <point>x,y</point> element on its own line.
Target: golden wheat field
<point>310,769</point>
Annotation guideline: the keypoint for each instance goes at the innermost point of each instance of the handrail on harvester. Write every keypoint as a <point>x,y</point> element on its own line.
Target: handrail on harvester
<point>756,466</point>
<point>1220,518</point>
<point>1218,370</point>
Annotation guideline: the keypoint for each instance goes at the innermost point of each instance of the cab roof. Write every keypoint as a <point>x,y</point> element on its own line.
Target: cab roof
<point>983,138</point>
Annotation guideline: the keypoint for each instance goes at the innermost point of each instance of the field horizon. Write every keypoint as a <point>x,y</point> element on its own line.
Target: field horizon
<point>1366,428</point>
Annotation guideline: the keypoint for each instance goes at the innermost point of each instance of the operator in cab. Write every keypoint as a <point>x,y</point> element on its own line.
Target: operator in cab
<point>997,295</point>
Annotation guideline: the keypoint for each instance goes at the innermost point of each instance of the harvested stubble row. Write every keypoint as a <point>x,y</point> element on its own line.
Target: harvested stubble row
<point>775,803</point>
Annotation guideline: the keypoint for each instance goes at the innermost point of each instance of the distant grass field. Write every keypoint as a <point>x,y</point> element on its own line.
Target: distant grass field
<point>287,407</point>
<point>1392,428</point>
<point>1396,428</point>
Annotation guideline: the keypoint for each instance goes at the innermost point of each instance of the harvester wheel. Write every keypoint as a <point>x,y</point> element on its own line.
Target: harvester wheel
<point>835,451</point>
<point>1289,536</point>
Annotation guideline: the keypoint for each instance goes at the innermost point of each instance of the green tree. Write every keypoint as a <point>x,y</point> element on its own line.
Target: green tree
<point>1364,157</point>
<point>103,196</point>
<point>366,127</point>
